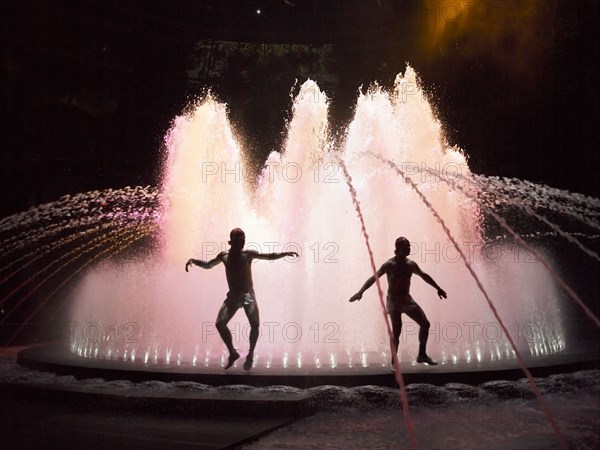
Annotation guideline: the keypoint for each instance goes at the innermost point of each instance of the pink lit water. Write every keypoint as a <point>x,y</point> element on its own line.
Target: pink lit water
<point>150,310</point>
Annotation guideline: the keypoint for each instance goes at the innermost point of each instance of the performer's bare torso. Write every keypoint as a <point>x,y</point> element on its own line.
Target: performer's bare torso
<point>398,273</point>
<point>238,270</point>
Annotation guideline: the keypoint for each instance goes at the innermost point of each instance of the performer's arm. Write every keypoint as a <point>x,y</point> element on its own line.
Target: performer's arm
<point>270,256</point>
<point>427,278</point>
<point>369,283</point>
<point>204,264</point>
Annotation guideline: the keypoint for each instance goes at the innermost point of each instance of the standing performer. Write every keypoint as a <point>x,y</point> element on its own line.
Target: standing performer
<point>399,269</point>
<point>241,291</point>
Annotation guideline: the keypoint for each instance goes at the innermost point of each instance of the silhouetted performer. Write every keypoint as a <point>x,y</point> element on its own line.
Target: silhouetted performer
<point>241,291</point>
<point>399,269</point>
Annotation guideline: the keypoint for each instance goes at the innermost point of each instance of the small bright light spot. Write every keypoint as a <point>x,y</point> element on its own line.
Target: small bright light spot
<point>258,11</point>
<point>363,359</point>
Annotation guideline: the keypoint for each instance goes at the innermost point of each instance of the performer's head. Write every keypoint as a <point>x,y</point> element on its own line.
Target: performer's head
<point>237,238</point>
<point>402,247</point>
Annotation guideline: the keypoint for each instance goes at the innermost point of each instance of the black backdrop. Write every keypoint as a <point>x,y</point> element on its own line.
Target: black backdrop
<point>88,88</point>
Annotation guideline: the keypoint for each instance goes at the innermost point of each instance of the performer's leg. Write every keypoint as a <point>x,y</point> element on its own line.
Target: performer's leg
<point>415,312</point>
<point>225,314</point>
<point>253,317</point>
<point>396,319</point>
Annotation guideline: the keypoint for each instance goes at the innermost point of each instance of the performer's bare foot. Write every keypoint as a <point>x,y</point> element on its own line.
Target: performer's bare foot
<point>232,358</point>
<point>249,361</point>
<point>426,360</point>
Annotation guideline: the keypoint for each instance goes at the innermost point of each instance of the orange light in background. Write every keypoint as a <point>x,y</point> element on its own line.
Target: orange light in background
<point>513,32</point>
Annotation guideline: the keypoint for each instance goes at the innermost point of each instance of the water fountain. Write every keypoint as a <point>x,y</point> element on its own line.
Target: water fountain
<point>131,302</point>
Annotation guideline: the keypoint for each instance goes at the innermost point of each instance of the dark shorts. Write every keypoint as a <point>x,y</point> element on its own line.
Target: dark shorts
<point>404,305</point>
<point>240,300</point>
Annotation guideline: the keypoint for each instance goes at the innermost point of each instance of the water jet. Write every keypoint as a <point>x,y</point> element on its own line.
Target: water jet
<point>122,251</point>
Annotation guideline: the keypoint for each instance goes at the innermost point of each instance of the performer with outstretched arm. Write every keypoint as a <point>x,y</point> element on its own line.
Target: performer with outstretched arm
<point>399,269</point>
<point>241,291</point>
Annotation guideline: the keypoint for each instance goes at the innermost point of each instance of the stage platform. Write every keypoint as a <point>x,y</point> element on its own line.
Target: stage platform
<point>58,359</point>
<point>184,406</point>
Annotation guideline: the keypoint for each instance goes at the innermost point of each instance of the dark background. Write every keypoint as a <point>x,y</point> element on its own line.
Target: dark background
<point>88,88</point>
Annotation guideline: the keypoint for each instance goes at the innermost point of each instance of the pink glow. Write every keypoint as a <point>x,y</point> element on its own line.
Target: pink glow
<point>301,203</point>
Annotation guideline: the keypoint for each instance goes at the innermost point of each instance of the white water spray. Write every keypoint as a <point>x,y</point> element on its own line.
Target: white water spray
<point>152,310</point>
